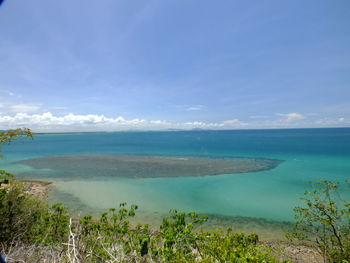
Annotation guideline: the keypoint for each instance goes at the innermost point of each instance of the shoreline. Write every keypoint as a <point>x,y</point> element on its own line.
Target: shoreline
<point>37,188</point>
<point>42,190</point>
<point>281,249</point>
<point>267,229</point>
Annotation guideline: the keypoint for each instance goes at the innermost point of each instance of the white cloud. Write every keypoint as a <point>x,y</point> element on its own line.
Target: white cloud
<point>48,122</point>
<point>230,122</point>
<point>91,122</point>
<point>195,107</point>
<point>59,108</point>
<point>258,117</point>
<point>10,108</point>
<point>24,108</point>
<point>333,122</point>
<point>6,92</point>
<point>291,116</point>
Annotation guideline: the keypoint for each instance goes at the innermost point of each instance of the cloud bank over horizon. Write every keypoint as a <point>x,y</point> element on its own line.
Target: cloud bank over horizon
<point>48,122</point>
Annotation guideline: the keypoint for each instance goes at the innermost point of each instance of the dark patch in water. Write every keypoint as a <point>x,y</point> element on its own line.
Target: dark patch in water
<point>142,166</point>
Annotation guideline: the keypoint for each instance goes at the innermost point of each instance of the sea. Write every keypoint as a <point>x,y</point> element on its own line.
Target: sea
<point>84,170</point>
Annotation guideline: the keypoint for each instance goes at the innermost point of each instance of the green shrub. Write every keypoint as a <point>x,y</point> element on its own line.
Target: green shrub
<point>20,213</point>
<point>228,246</point>
<point>6,137</point>
<point>24,219</point>
<point>325,219</point>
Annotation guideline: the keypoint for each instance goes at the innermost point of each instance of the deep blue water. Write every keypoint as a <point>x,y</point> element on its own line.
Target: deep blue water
<point>231,143</point>
<point>308,154</point>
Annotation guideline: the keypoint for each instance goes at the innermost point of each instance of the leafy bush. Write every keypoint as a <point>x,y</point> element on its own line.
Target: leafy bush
<point>112,240</point>
<point>20,213</point>
<point>10,135</point>
<point>28,221</point>
<point>5,138</point>
<point>325,219</point>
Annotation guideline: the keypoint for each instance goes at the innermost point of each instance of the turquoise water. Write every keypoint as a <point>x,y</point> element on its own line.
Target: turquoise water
<point>307,154</point>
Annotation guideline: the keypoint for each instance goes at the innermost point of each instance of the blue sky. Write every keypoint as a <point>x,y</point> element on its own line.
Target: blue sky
<point>114,65</point>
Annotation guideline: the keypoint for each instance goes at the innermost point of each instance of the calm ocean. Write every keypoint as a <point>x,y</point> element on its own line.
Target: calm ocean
<point>307,154</point>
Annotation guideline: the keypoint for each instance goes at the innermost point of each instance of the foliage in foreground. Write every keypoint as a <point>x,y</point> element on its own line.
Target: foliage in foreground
<point>28,221</point>
<point>325,220</point>
<point>5,138</point>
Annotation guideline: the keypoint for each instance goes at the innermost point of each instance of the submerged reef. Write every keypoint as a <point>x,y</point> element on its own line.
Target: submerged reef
<point>144,166</point>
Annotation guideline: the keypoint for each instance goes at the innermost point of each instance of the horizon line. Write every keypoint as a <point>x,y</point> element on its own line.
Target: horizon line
<point>191,130</point>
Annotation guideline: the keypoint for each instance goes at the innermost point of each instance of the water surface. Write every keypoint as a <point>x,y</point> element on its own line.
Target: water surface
<point>261,195</point>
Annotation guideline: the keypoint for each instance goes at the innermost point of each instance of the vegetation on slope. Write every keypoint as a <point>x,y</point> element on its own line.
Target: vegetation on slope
<point>325,220</point>
<point>29,222</point>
